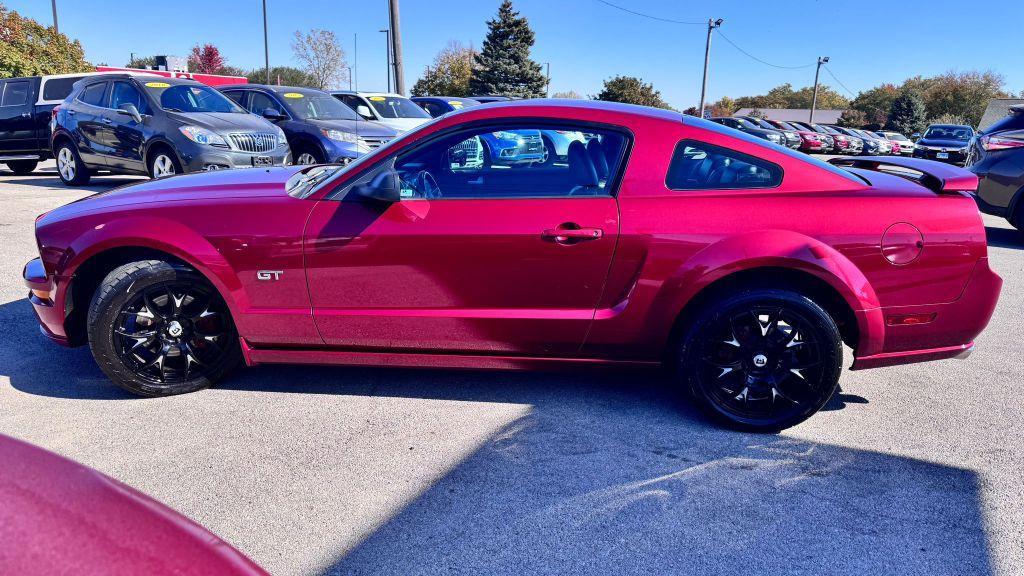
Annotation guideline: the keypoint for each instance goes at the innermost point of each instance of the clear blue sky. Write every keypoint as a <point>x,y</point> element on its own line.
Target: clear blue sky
<point>585,41</point>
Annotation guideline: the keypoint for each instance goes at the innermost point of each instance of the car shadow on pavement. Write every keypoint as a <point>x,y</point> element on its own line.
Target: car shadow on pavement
<point>48,178</point>
<point>1005,237</point>
<point>609,473</point>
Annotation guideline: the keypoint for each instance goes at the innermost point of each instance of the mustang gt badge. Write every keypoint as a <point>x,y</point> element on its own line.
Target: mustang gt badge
<point>269,274</point>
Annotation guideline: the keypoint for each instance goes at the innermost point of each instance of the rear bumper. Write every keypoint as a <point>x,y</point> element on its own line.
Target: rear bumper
<point>950,333</point>
<point>42,296</point>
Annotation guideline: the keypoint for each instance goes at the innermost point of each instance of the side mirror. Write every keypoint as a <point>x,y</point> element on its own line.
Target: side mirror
<point>915,136</point>
<point>364,111</point>
<point>272,114</point>
<point>385,187</point>
<point>130,110</point>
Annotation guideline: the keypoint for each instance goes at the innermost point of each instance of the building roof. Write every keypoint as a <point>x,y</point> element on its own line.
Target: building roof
<point>998,108</point>
<point>799,114</point>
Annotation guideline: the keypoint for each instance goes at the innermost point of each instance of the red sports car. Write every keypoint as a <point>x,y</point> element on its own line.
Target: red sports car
<point>59,517</point>
<point>660,239</point>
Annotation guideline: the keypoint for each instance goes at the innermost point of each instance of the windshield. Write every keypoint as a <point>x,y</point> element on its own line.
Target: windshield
<point>191,98</point>
<point>788,126</point>
<point>313,106</point>
<point>762,123</point>
<point>396,107</point>
<point>895,136</point>
<point>962,133</point>
<point>744,123</point>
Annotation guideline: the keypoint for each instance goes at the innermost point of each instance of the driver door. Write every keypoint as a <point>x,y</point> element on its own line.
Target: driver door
<point>474,258</point>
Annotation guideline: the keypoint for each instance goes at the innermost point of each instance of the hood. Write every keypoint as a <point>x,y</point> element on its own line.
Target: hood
<point>404,124</point>
<point>224,121</point>
<point>237,183</point>
<point>359,127</point>
<point>942,143</point>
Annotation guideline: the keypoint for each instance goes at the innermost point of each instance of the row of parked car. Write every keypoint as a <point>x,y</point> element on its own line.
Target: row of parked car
<point>822,138</point>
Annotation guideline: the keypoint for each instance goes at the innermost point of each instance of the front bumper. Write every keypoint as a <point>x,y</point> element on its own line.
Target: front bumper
<point>43,296</point>
<point>200,158</point>
<point>949,334</point>
<point>954,156</point>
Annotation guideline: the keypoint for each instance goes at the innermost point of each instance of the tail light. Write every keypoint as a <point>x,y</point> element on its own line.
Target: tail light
<point>997,143</point>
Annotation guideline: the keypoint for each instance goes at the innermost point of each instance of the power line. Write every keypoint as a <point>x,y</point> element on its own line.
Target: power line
<point>752,57</point>
<point>649,16</point>
<point>838,81</point>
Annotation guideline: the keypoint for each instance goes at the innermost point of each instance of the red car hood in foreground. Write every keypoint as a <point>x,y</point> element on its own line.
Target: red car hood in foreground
<point>59,517</point>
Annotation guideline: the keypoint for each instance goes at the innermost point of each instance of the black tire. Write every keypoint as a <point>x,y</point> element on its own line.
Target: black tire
<point>22,167</point>
<point>78,174</point>
<point>761,360</point>
<point>157,155</point>
<point>150,342</point>
<point>551,154</point>
<point>312,152</point>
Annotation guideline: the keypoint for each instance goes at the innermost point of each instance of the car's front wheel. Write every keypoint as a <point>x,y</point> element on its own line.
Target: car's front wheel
<point>762,360</point>
<point>157,329</point>
<point>163,163</point>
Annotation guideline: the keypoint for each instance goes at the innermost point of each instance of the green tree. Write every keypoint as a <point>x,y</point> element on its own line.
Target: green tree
<point>783,96</point>
<point>631,90</point>
<point>568,95</point>
<point>227,70</point>
<point>503,65</point>
<point>948,119</point>
<point>907,114</point>
<point>876,103</point>
<point>141,62</point>
<point>27,48</point>
<point>852,118</point>
<point>281,75</point>
<point>963,94</point>
<point>724,107</point>
<point>450,73</point>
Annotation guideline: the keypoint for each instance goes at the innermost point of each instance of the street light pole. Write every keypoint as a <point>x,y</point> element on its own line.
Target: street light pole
<point>266,44</point>
<point>387,54</point>
<point>712,24</point>
<point>349,68</point>
<point>355,58</point>
<point>547,81</point>
<point>814,99</point>
<point>396,47</point>
<point>53,4</point>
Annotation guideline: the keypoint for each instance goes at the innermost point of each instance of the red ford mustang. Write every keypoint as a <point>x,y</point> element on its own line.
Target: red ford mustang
<point>656,239</point>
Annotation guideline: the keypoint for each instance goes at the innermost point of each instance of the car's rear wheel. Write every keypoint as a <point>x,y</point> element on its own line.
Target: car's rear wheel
<point>157,329</point>
<point>72,171</point>
<point>762,360</point>
<point>22,167</point>
<point>163,163</point>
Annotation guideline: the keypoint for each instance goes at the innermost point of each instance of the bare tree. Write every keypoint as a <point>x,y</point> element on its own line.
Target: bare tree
<point>322,57</point>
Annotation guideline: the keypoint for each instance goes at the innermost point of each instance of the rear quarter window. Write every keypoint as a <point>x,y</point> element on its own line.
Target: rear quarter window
<point>698,165</point>
<point>15,93</point>
<point>59,88</point>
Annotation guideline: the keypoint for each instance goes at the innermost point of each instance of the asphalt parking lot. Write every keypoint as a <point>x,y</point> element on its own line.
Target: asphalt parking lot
<point>910,470</point>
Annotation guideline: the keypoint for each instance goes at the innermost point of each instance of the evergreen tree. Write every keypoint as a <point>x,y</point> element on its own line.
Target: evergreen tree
<point>907,114</point>
<point>503,66</point>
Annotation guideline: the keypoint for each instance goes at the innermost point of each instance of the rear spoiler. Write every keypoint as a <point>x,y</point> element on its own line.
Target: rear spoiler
<point>936,176</point>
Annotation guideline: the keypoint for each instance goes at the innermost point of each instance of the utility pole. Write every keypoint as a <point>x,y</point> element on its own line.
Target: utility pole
<point>355,59</point>
<point>814,99</point>
<point>53,4</point>
<point>387,54</point>
<point>396,48</point>
<point>266,44</point>
<point>349,68</point>
<point>712,24</point>
<point>547,82</point>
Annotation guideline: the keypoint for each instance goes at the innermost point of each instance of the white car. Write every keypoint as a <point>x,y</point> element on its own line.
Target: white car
<point>393,110</point>
<point>906,145</point>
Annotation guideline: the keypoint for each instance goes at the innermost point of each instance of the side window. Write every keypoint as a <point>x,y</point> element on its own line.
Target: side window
<point>432,108</point>
<point>238,96</point>
<point>357,104</point>
<point>125,93</point>
<point>59,88</point>
<point>701,166</point>
<point>93,94</point>
<point>258,102</point>
<point>15,93</point>
<point>515,161</point>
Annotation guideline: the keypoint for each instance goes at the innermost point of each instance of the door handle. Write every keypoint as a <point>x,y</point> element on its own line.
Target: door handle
<point>108,121</point>
<point>26,115</point>
<point>566,235</point>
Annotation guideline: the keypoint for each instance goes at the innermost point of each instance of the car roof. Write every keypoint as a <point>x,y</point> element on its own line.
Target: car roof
<point>573,104</point>
<point>364,93</point>
<point>272,88</point>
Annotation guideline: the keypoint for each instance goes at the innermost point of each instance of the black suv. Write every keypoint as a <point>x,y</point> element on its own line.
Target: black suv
<point>134,124</point>
<point>996,155</point>
<point>26,105</point>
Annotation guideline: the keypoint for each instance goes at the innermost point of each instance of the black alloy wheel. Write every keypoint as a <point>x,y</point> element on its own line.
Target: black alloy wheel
<point>763,360</point>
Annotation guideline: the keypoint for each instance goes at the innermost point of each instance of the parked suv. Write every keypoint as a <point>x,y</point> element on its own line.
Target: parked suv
<point>157,126</point>
<point>392,110</point>
<point>26,105</point>
<point>743,125</point>
<point>441,105</point>
<point>996,155</point>
<point>318,127</point>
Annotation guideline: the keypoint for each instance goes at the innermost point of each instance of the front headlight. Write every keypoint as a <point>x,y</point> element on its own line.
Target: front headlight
<point>202,136</point>
<point>340,136</point>
<point>281,138</point>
